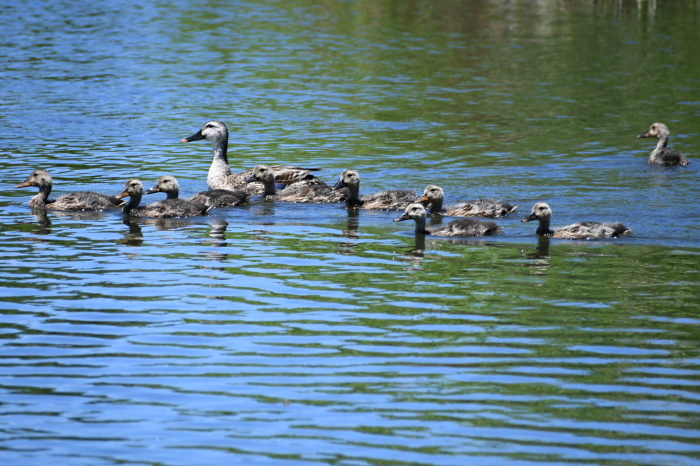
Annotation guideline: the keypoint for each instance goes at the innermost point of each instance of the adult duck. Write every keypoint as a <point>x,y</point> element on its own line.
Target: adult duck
<point>459,227</point>
<point>85,200</point>
<point>297,192</point>
<point>433,198</point>
<point>582,230</point>
<point>167,208</point>
<point>663,154</point>
<point>220,176</point>
<point>393,199</point>
<point>212,198</point>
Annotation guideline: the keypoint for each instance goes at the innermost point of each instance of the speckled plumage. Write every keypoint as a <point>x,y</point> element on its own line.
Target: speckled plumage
<point>213,198</point>
<point>393,199</point>
<point>167,208</point>
<point>433,198</point>
<point>582,230</point>
<point>459,227</point>
<point>220,176</point>
<point>85,200</point>
<point>662,154</point>
<point>314,191</point>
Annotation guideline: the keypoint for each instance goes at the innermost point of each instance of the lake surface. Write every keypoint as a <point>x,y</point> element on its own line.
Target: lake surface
<point>306,334</point>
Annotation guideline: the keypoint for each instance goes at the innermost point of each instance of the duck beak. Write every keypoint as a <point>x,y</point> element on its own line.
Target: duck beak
<point>529,218</point>
<point>644,135</point>
<point>23,185</point>
<point>154,189</point>
<point>424,200</point>
<point>195,137</point>
<point>402,218</point>
<point>250,178</point>
<point>122,195</point>
<point>338,185</point>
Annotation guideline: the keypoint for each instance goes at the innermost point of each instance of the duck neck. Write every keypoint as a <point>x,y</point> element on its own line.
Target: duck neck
<point>134,201</point>
<point>219,164</point>
<point>42,198</point>
<point>660,146</point>
<point>269,185</point>
<point>435,205</point>
<point>353,195</point>
<point>420,226</point>
<point>173,194</point>
<point>543,229</point>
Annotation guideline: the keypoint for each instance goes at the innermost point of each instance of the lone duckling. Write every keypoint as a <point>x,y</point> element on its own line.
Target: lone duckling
<point>393,199</point>
<point>167,208</point>
<point>213,198</point>
<point>433,197</point>
<point>459,227</point>
<point>85,200</point>
<point>582,230</point>
<point>220,176</point>
<point>297,192</point>
<point>662,154</point>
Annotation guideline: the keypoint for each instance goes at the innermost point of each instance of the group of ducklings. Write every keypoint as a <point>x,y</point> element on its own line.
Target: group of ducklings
<point>297,184</point>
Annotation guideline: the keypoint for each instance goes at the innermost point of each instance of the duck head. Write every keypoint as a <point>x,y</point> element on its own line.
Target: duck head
<point>541,212</point>
<point>657,130</point>
<point>38,178</point>
<point>166,184</point>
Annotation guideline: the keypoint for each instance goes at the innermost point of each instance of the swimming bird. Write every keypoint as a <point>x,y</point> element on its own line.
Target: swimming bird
<point>459,227</point>
<point>167,208</point>
<point>213,198</point>
<point>662,154</point>
<point>297,192</point>
<point>433,197</point>
<point>582,230</point>
<point>85,200</point>
<point>393,199</point>
<point>220,176</point>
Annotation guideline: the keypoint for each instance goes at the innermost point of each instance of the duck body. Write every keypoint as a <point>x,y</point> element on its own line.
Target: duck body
<point>393,199</point>
<point>220,176</point>
<point>581,230</point>
<point>313,191</point>
<point>85,200</point>
<point>221,197</point>
<point>434,196</point>
<point>459,227</point>
<point>168,208</point>
<point>662,154</point>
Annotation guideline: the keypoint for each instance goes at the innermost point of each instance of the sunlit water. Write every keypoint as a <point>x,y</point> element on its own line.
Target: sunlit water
<point>303,334</point>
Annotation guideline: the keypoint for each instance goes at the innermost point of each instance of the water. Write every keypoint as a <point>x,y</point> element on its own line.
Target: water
<point>303,334</point>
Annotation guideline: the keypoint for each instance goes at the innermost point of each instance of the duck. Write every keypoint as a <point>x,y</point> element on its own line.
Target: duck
<point>662,154</point>
<point>220,176</point>
<point>212,198</point>
<point>582,230</point>
<point>297,192</point>
<point>167,208</point>
<point>393,199</point>
<point>85,200</point>
<point>459,227</point>
<point>433,197</point>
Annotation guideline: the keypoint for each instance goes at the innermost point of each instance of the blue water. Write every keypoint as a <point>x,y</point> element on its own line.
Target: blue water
<point>279,333</point>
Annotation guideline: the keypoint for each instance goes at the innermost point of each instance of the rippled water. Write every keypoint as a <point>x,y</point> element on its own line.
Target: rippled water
<point>306,334</point>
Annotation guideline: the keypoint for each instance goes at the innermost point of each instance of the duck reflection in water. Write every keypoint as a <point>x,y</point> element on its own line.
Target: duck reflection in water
<point>351,232</point>
<point>217,239</point>
<point>540,256</point>
<point>134,237</point>
<point>43,225</point>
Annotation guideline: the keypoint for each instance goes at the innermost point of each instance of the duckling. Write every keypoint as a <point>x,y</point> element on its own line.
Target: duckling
<point>220,176</point>
<point>459,227</point>
<point>662,154</point>
<point>583,230</point>
<point>213,198</point>
<point>85,200</point>
<point>433,197</point>
<point>167,208</point>
<point>297,192</point>
<point>393,199</point>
